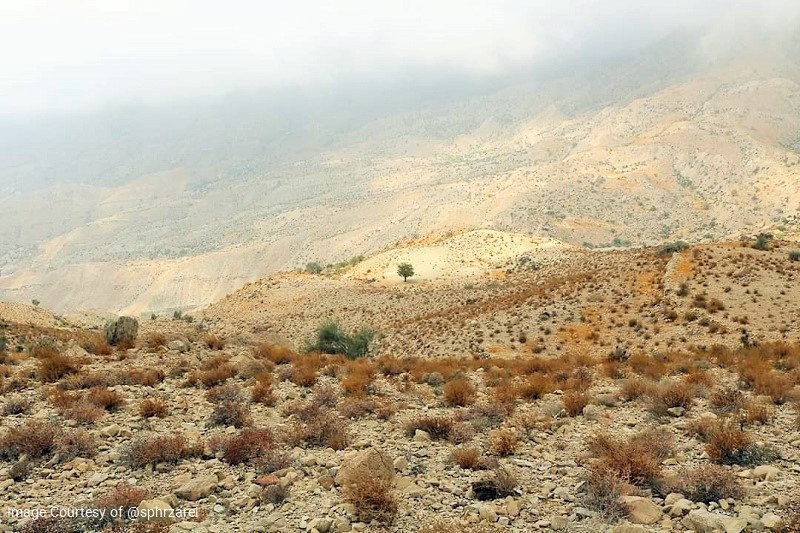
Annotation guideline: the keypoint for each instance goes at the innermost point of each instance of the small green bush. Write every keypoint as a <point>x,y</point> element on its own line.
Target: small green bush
<point>672,247</point>
<point>762,241</point>
<point>332,339</point>
<point>313,268</point>
<point>794,255</point>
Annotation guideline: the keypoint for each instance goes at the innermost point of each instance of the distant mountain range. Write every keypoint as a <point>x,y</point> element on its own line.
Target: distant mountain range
<point>153,209</point>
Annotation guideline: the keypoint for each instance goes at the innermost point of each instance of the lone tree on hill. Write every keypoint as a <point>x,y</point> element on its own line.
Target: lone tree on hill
<point>405,270</point>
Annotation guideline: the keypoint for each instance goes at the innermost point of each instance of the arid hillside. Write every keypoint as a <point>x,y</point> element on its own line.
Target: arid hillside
<point>514,384</point>
<point>651,149</point>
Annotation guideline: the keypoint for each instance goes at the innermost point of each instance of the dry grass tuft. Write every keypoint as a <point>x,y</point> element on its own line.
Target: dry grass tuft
<point>604,488</point>
<point>104,398</point>
<point>158,449</point>
<point>371,496</point>
<point>574,402</point>
<point>708,483</point>
<point>503,442</point>
<point>124,497</point>
<point>149,408</point>
<point>728,444</point>
<point>636,459</point>
<point>231,413</point>
<point>459,392</point>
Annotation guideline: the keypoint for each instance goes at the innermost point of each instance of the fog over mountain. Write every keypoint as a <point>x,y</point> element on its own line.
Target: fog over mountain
<point>159,155</point>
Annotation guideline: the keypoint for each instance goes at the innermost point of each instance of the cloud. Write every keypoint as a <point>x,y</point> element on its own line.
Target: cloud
<point>86,53</point>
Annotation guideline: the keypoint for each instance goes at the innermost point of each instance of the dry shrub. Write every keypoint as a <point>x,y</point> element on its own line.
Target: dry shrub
<point>51,524</point>
<point>501,484</point>
<point>647,366</point>
<point>303,373</point>
<point>536,386</point>
<point>506,393</point>
<point>574,402</point>
<point>213,371</point>
<point>371,496</point>
<point>774,384</point>
<point>150,407</point>
<point>86,380</point>
<point>353,408</point>
<point>230,392</point>
<point>280,355</point>
<point>488,415</point>
<point>671,394</point>
<point>727,400</point>
<point>756,413</point>
<point>94,343</point>
<point>459,392</point>
<point>359,377</point>
<point>104,398</point>
<point>56,366</point>
<point>124,496</point>
<point>604,489</point>
<point>147,377</point>
<point>231,413</point>
<point>213,342</point>
<point>248,446</point>
<point>262,391</point>
<point>31,438</point>
<point>702,427</point>
<point>16,405</point>
<point>386,409</point>
<point>503,442</point>
<point>158,449</point>
<point>75,443</point>
<point>468,457</point>
<point>83,412</point>
<point>636,459</point>
<point>437,426</point>
<point>155,340</point>
<point>635,388</point>
<point>326,395</point>
<point>730,445</point>
<point>707,483</point>
<point>389,365</point>
<point>319,428</point>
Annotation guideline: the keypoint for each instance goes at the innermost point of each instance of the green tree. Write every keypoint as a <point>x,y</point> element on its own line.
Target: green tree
<point>313,268</point>
<point>405,270</point>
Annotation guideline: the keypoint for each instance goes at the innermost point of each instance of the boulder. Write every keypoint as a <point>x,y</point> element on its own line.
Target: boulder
<point>704,521</point>
<point>642,510</point>
<point>369,462</point>
<point>178,346</point>
<point>122,331</point>
<point>155,511</point>
<point>197,488</point>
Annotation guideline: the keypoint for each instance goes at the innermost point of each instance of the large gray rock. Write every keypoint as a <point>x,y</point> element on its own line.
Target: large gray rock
<point>122,331</point>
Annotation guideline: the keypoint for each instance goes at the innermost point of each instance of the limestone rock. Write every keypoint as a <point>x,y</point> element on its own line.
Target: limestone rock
<point>197,488</point>
<point>369,462</point>
<point>642,510</point>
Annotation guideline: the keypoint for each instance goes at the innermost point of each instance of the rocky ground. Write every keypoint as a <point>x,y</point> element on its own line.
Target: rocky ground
<point>604,391</point>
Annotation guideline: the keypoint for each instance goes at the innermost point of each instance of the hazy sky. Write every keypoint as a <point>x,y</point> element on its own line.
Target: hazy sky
<point>81,54</point>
